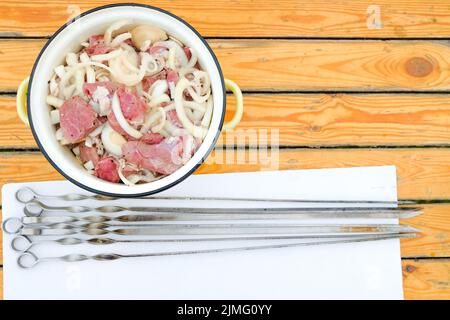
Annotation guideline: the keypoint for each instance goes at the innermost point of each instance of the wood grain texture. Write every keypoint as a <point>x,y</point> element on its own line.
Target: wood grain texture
<point>422,173</point>
<point>247,18</point>
<point>13,132</point>
<point>426,279</point>
<point>342,120</point>
<point>422,279</point>
<point>335,65</point>
<point>434,240</point>
<point>308,120</point>
<point>296,65</point>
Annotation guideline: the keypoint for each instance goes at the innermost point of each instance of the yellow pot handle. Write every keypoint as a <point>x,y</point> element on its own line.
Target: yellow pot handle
<point>230,85</point>
<point>21,101</point>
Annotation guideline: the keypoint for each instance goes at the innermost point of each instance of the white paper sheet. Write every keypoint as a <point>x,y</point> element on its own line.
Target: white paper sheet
<point>370,270</point>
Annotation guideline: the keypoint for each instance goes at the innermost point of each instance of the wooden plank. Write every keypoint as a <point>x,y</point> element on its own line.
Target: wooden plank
<point>295,65</point>
<point>426,279</point>
<point>422,173</point>
<point>434,240</point>
<point>334,65</point>
<point>309,120</point>
<point>15,64</point>
<point>247,18</point>
<point>422,279</point>
<point>13,132</point>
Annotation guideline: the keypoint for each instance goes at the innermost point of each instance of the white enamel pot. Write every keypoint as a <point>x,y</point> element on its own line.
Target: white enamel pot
<point>68,39</point>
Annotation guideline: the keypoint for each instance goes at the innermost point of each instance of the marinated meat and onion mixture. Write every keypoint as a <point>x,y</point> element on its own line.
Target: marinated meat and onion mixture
<point>133,104</point>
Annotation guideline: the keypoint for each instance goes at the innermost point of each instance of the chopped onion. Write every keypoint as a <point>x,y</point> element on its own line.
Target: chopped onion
<point>88,142</point>
<point>54,87</point>
<point>54,101</point>
<point>60,137</point>
<point>188,148</point>
<point>79,81</point>
<point>197,98</point>
<point>208,114</point>
<point>98,145</point>
<point>195,106</point>
<point>128,64</point>
<point>96,132</point>
<point>135,178</point>
<point>122,176</point>
<point>68,91</point>
<point>76,151</point>
<point>84,57</point>
<point>71,59</point>
<point>131,55</point>
<point>90,73</point>
<point>120,38</point>
<point>199,107</point>
<point>155,101</point>
<point>145,45</point>
<point>193,60</point>
<point>71,72</point>
<point>89,165</point>
<point>107,56</point>
<point>171,59</point>
<point>59,134</point>
<point>182,72</point>
<point>112,140</point>
<point>158,88</point>
<point>172,89</point>
<point>121,119</point>
<point>176,40</point>
<point>196,131</point>
<point>114,27</point>
<point>60,71</point>
<point>54,116</point>
<point>164,133</point>
<point>173,130</point>
<point>129,79</point>
<point>151,118</point>
<point>179,52</point>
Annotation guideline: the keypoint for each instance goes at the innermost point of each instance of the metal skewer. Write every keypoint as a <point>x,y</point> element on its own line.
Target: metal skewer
<point>24,243</point>
<point>37,208</point>
<point>211,229</point>
<point>29,260</point>
<point>27,195</point>
<point>16,225</point>
<point>401,213</point>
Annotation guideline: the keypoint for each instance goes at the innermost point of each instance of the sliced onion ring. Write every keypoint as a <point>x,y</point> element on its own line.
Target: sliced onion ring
<point>121,119</point>
<point>114,27</point>
<point>196,131</point>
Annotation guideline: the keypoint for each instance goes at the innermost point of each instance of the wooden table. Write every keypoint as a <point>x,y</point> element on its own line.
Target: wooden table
<point>343,88</point>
